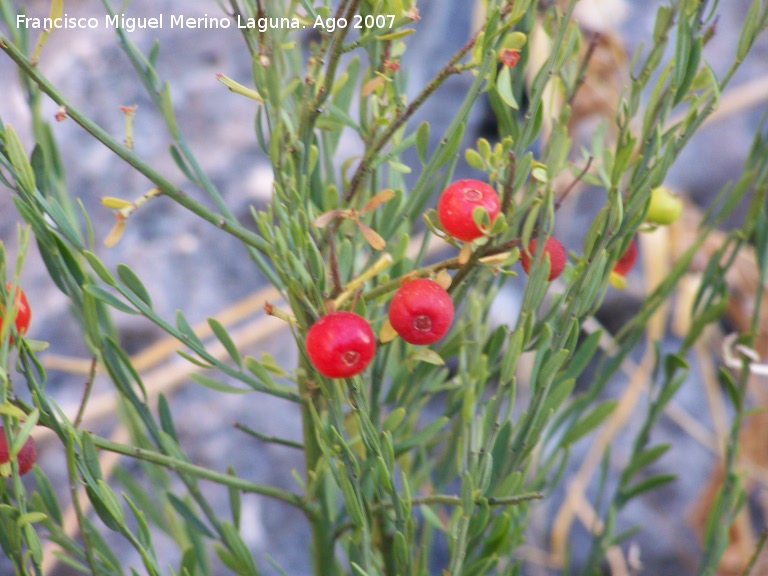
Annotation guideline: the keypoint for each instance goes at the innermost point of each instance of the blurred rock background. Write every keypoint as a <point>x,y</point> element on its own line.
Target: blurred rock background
<point>189,265</point>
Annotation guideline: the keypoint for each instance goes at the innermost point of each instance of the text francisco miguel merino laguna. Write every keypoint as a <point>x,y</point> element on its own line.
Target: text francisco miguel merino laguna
<point>129,24</point>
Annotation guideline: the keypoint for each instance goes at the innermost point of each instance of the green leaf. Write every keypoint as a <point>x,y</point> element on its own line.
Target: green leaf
<point>749,30</point>
<point>111,501</point>
<point>182,164</point>
<point>645,458</point>
<point>504,88</point>
<point>257,369</point>
<point>166,108</point>
<point>132,282</point>
<point>214,384</point>
<point>25,177</point>
<point>235,504</point>
<point>591,421</point>
<point>449,149</point>
<point>396,35</point>
<point>422,141</point>
<point>427,355</point>
<point>221,333</point>
<point>24,432</point>
<point>423,436</point>
<point>47,495</point>
<point>110,299</point>
<point>188,334</point>
<point>646,485</point>
<point>474,159</point>
<point>99,268</point>
<point>189,516</point>
<point>30,518</point>
<point>509,362</point>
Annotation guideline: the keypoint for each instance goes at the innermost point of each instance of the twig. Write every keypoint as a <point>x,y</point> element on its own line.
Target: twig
<point>582,74</point>
<point>508,190</point>
<point>446,71</point>
<point>86,394</point>
<point>572,185</point>
<point>271,439</point>
<point>759,548</point>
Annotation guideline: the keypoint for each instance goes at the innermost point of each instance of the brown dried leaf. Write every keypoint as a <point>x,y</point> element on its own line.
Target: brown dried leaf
<point>378,200</point>
<point>371,236</point>
<point>371,86</point>
<point>324,219</point>
<point>116,233</point>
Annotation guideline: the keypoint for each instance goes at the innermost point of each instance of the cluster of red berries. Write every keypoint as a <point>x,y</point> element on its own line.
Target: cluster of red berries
<point>26,456</point>
<point>341,344</point>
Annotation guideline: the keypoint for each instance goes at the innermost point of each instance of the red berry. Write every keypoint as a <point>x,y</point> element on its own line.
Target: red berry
<point>556,252</point>
<point>421,311</point>
<point>340,344</point>
<point>627,260</point>
<point>23,311</point>
<point>26,456</point>
<point>456,203</point>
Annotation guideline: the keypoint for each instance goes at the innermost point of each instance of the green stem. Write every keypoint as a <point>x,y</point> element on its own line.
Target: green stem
<point>322,536</point>
<point>166,187</point>
<point>81,521</point>
<point>448,500</point>
<point>204,473</point>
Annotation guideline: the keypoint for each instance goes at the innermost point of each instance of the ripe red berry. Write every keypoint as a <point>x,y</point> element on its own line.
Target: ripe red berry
<point>23,311</point>
<point>26,456</point>
<point>340,344</point>
<point>421,311</point>
<point>456,203</point>
<point>627,260</point>
<point>556,252</point>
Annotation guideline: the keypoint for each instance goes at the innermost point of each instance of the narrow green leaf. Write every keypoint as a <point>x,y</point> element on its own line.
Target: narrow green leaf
<point>25,176</point>
<point>591,421</point>
<point>166,108</point>
<point>257,369</point>
<point>47,495</point>
<point>182,164</point>
<point>645,458</point>
<point>504,88</point>
<point>422,141</point>
<point>423,436</point>
<point>189,516</point>
<point>235,504</point>
<point>646,485</point>
<point>223,336</point>
<point>31,518</point>
<point>188,334</point>
<point>99,268</point>
<point>111,501</point>
<point>214,384</point>
<point>396,35</point>
<point>749,30</point>
<point>24,432</point>
<point>110,299</point>
<point>132,282</point>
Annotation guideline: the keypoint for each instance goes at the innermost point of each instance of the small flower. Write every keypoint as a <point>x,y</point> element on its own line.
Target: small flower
<point>509,56</point>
